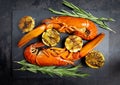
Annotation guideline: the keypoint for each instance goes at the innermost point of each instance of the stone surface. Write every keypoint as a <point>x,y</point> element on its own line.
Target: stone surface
<point>108,75</point>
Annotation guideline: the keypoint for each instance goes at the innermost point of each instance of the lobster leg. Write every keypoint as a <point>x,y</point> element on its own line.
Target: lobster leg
<point>32,34</point>
<point>45,60</point>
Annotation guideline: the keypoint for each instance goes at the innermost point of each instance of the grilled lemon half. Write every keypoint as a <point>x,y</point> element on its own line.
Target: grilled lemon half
<point>73,43</point>
<point>50,37</point>
<point>94,59</point>
<point>26,23</point>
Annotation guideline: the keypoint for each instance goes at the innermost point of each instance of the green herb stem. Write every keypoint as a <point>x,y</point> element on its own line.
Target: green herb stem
<point>52,70</point>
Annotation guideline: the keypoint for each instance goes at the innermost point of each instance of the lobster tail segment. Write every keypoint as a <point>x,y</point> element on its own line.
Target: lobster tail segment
<point>32,34</point>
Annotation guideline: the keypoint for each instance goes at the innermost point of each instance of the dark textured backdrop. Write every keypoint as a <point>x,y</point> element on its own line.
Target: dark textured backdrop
<point>112,73</point>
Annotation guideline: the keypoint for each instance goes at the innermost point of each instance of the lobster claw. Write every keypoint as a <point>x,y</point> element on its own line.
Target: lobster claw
<point>32,34</point>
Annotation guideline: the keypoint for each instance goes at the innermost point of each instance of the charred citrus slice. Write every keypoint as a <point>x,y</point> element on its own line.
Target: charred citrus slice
<point>73,43</point>
<point>26,23</point>
<point>51,37</point>
<point>94,59</point>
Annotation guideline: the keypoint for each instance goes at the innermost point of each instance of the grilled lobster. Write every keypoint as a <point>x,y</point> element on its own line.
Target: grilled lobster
<point>36,54</point>
<point>84,28</point>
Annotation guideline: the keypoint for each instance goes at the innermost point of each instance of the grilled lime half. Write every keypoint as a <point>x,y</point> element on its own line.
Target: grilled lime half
<point>73,43</point>
<point>51,37</point>
<point>95,59</point>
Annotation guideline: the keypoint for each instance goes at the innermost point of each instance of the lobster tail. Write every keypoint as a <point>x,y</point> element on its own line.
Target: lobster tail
<point>32,34</point>
<point>91,45</point>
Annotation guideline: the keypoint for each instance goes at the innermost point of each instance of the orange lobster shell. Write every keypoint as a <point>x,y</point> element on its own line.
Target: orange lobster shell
<point>45,57</point>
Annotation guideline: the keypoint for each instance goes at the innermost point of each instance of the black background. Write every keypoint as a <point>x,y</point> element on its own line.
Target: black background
<point>109,76</point>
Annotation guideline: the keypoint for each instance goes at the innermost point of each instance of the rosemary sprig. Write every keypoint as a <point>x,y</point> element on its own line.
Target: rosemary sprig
<point>52,70</point>
<point>78,12</point>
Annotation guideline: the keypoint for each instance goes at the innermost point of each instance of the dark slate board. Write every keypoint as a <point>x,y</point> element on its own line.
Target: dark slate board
<point>39,15</point>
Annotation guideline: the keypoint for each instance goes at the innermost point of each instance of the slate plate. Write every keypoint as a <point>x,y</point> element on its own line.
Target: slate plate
<point>39,15</point>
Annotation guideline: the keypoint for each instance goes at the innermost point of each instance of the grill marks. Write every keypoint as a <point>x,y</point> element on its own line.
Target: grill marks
<point>27,23</point>
<point>87,32</point>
